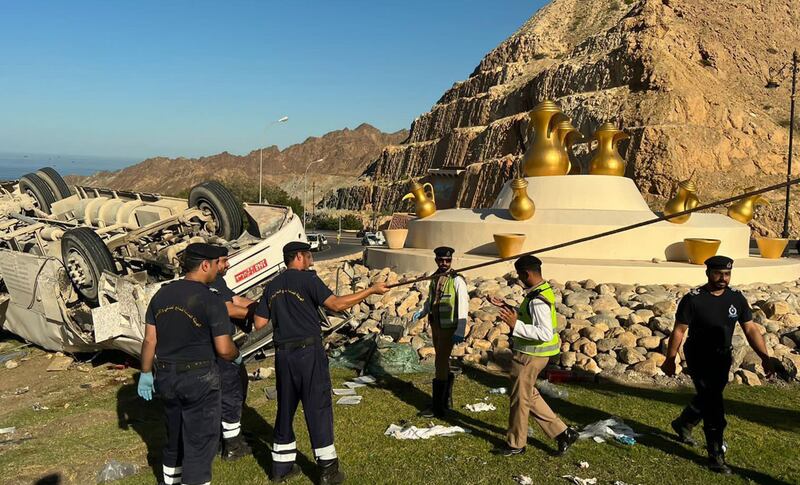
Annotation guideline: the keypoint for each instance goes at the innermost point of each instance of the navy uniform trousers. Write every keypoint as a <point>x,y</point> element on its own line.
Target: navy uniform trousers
<point>233,379</point>
<point>192,407</point>
<point>302,375</point>
<point>709,371</point>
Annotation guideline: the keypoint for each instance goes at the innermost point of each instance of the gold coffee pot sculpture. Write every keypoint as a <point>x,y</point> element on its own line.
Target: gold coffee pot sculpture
<point>543,156</point>
<point>425,205</point>
<point>607,160</point>
<point>521,207</point>
<point>567,136</point>
<point>684,199</point>
<point>744,209</point>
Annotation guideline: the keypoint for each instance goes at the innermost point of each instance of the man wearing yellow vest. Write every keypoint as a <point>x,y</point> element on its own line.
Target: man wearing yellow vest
<point>447,307</point>
<point>535,339</point>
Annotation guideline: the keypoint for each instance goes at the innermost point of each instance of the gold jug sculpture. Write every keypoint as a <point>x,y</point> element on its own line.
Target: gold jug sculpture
<point>521,206</point>
<point>684,199</point>
<point>744,209</point>
<point>607,160</point>
<point>425,205</point>
<point>543,156</point>
<point>567,136</point>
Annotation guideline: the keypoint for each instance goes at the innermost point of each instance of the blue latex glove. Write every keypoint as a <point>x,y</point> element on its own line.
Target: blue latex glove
<point>417,315</point>
<point>238,360</point>
<point>457,339</point>
<point>146,386</point>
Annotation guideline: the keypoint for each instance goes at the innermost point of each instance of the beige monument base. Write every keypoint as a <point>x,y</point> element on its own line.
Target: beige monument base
<point>571,207</point>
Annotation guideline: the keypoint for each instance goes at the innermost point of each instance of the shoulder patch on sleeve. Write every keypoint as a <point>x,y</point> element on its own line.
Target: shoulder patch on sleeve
<point>694,291</point>
<point>213,290</point>
<point>734,289</point>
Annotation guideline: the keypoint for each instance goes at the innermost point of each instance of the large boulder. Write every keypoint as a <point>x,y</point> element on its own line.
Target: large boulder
<point>629,355</point>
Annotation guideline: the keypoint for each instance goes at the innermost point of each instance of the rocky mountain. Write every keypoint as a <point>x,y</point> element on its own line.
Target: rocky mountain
<point>684,78</point>
<point>347,153</point>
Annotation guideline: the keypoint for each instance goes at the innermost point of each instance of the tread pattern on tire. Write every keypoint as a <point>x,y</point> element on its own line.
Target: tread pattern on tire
<point>41,191</point>
<point>223,200</point>
<point>56,182</point>
<point>94,251</point>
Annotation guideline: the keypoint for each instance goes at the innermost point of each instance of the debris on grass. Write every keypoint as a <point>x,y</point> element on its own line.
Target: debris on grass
<point>353,385</point>
<point>551,390</point>
<point>262,373</point>
<point>21,390</point>
<point>364,380</point>
<point>84,368</point>
<point>8,430</point>
<point>579,480</point>
<point>498,390</point>
<point>115,470</point>
<point>583,465</point>
<point>14,355</point>
<point>415,433</point>
<point>59,363</point>
<point>38,407</point>
<point>344,392</point>
<point>611,428</point>
<point>271,393</point>
<point>480,407</point>
<point>12,364</point>
<point>350,400</point>
<point>523,479</point>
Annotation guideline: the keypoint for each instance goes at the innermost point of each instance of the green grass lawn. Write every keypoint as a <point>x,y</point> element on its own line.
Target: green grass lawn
<point>111,422</point>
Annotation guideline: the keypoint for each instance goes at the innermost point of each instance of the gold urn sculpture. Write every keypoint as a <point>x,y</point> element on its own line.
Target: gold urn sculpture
<point>744,210</point>
<point>521,207</point>
<point>544,154</point>
<point>424,205</point>
<point>607,160</point>
<point>684,199</point>
<point>567,136</point>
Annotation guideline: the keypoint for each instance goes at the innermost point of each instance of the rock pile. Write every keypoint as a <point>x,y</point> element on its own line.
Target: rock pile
<point>605,328</point>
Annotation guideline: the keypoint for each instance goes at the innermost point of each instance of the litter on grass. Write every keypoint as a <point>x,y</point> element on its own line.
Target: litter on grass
<point>480,407</point>
<point>353,385</point>
<point>611,428</point>
<point>364,380</point>
<point>349,400</point>
<point>8,430</point>
<point>523,479</point>
<point>583,464</point>
<point>414,433</point>
<point>497,390</point>
<point>344,392</point>
<point>114,470</point>
<point>549,389</point>
<point>579,480</point>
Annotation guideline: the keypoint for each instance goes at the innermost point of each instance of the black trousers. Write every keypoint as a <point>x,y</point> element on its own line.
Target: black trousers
<point>192,408</point>
<point>302,375</point>
<point>709,370</point>
<point>233,381</point>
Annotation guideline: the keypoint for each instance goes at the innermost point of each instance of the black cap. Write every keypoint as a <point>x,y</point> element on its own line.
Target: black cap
<point>204,251</point>
<point>528,261</point>
<point>296,246</point>
<point>444,252</point>
<point>719,262</point>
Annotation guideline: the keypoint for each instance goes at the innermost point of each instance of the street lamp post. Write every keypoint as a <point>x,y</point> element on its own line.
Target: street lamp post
<point>775,77</point>
<point>261,158</point>
<point>305,190</point>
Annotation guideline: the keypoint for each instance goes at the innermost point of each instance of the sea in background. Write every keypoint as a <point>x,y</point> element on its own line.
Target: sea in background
<point>15,165</point>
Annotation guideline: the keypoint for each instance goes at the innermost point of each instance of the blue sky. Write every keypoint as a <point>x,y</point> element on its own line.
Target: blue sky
<point>144,78</point>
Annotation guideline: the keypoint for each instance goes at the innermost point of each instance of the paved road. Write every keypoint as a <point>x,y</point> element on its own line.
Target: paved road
<point>349,244</point>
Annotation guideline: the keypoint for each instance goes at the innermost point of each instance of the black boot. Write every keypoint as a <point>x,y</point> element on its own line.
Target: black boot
<point>449,401</point>
<point>565,440</point>
<point>429,411</point>
<point>716,454</point>
<point>330,473</point>
<point>683,426</point>
<point>294,471</point>
<point>440,398</point>
<point>235,448</point>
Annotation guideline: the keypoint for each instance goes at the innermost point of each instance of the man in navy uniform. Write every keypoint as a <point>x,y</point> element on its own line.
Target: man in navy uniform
<point>711,312</point>
<point>233,375</point>
<point>186,329</point>
<point>447,307</point>
<point>291,303</point>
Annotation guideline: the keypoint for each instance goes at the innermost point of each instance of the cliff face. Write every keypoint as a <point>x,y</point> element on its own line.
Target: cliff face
<point>684,78</point>
<point>346,152</point>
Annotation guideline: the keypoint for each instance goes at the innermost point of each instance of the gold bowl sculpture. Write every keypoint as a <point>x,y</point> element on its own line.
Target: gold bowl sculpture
<point>771,247</point>
<point>684,199</point>
<point>509,244</point>
<point>424,205</point>
<point>521,207</point>
<point>607,160</point>
<point>700,249</point>
<point>395,238</point>
<point>544,155</point>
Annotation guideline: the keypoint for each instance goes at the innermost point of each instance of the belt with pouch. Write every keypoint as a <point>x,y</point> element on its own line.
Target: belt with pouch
<point>184,366</point>
<point>298,344</point>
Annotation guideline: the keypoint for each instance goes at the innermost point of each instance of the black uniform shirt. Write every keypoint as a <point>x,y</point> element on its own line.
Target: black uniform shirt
<point>290,302</point>
<point>220,288</point>
<point>187,317</point>
<point>711,319</point>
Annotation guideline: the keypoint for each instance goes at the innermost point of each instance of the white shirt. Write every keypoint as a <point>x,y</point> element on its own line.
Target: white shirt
<point>542,328</point>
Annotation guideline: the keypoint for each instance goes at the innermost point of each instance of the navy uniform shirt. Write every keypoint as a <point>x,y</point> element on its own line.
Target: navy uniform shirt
<point>291,301</point>
<point>187,317</point>
<point>221,289</point>
<point>711,319</point>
